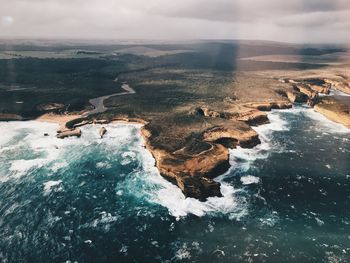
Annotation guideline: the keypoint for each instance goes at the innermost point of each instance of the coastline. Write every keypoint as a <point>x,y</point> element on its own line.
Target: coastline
<point>192,166</point>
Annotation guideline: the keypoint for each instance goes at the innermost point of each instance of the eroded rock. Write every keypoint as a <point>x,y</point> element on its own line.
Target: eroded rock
<point>342,86</point>
<point>10,117</point>
<point>305,89</point>
<point>102,131</point>
<point>296,96</point>
<point>69,133</point>
<point>334,110</point>
<point>197,150</point>
<point>268,106</point>
<point>51,107</point>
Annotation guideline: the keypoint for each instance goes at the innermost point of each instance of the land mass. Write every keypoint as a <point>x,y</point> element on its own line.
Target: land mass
<point>196,100</point>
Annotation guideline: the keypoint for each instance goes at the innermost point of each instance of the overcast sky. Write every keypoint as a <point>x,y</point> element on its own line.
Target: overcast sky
<point>326,21</point>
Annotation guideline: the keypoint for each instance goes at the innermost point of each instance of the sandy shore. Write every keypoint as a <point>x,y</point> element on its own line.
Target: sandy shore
<point>57,118</point>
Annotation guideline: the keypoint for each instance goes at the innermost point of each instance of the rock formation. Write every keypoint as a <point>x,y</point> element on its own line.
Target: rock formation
<point>334,110</point>
<point>10,117</point>
<point>305,89</point>
<point>252,117</point>
<point>51,107</point>
<point>102,131</point>
<point>268,106</point>
<point>324,89</point>
<point>68,133</point>
<point>296,97</point>
<point>342,86</point>
<point>197,151</point>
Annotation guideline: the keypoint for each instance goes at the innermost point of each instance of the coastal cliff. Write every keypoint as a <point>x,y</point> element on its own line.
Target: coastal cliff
<point>343,86</point>
<point>334,110</point>
<point>192,152</point>
<point>190,140</point>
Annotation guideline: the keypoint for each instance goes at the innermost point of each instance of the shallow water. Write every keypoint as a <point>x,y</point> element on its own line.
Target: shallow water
<point>93,200</point>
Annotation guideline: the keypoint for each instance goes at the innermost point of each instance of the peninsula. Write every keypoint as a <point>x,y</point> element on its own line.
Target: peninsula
<point>194,108</point>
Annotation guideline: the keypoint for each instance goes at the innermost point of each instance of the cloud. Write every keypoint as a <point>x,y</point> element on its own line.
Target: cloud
<point>169,19</point>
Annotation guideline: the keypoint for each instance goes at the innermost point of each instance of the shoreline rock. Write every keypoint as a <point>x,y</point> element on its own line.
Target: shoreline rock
<point>68,133</point>
<point>10,117</point>
<point>200,154</point>
<point>334,110</point>
<point>192,148</point>
<point>339,85</point>
<point>268,106</point>
<point>102,132</point>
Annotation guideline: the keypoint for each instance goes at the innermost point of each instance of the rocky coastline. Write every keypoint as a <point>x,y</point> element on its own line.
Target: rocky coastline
<point>191,148</point>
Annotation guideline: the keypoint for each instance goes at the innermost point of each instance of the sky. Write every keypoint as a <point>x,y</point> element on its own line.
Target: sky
<point>298,21</point>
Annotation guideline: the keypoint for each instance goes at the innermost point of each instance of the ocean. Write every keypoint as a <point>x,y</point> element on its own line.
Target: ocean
<point>102,200</point>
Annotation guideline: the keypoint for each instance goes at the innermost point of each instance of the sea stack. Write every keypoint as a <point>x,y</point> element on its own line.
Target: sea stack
<point>102,132</point>
<point>68,133</point>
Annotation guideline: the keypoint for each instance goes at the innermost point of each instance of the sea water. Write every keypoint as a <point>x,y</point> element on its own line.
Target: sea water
<point>102,200</point>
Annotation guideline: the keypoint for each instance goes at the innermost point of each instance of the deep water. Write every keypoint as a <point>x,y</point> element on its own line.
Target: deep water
<point>93,200</point>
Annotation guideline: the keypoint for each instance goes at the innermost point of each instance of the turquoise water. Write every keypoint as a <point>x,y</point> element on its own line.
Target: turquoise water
<point>93,200</point>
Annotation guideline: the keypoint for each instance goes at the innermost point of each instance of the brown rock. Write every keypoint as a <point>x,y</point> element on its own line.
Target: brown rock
<point>197,151</point>
<point>51,107</point>
<point>334,110</point>
<point>245,138</point>
<point>69,133</point>
<point>268,106</point>
<point>310,102</point>
<point>198,187</point>
<point>324,89</point>
<point>296,96</point>
<point>252,117</point>
<point>303,88</point>
<point>102,131</point>
<point>339,85</point>
<point>10,117</point>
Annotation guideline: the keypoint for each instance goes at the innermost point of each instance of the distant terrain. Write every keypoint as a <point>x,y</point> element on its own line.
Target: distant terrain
<point>36,72</point>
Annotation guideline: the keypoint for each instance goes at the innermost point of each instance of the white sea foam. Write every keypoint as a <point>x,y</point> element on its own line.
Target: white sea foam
<point>128,157</point>
<point>242,158</point>
<point>52,155</point>
<point>49,185</point>
<point>324,124</point>
<point>21,167</point>
<point>338,93</point>
<point>160,191</point>
<point>39,150</point>
<point>250,179</point>
<point>104,165</point>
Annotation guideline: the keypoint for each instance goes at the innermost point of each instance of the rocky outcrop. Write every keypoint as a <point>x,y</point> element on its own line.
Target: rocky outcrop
<point>246,138</point>
<point>205,111</point>
<point>324,89</point>
<point>10,117</point>
<point>334,110</point>
<point>252,117</point>
<point>68,133</point>
<point>342,86</point>
<point>197,151</point>
<point>296,97</point>
<point>268,106</point>
<point>51,107</point>
<point>102,131</point>
<point>305,89</point>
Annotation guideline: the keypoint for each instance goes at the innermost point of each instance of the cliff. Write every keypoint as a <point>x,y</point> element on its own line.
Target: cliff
<point>334,110</point>
<point>343,86</point>
<point>192,150</point>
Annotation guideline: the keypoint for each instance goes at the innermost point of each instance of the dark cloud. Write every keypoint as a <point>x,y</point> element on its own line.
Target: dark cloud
<point>305,20</point>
